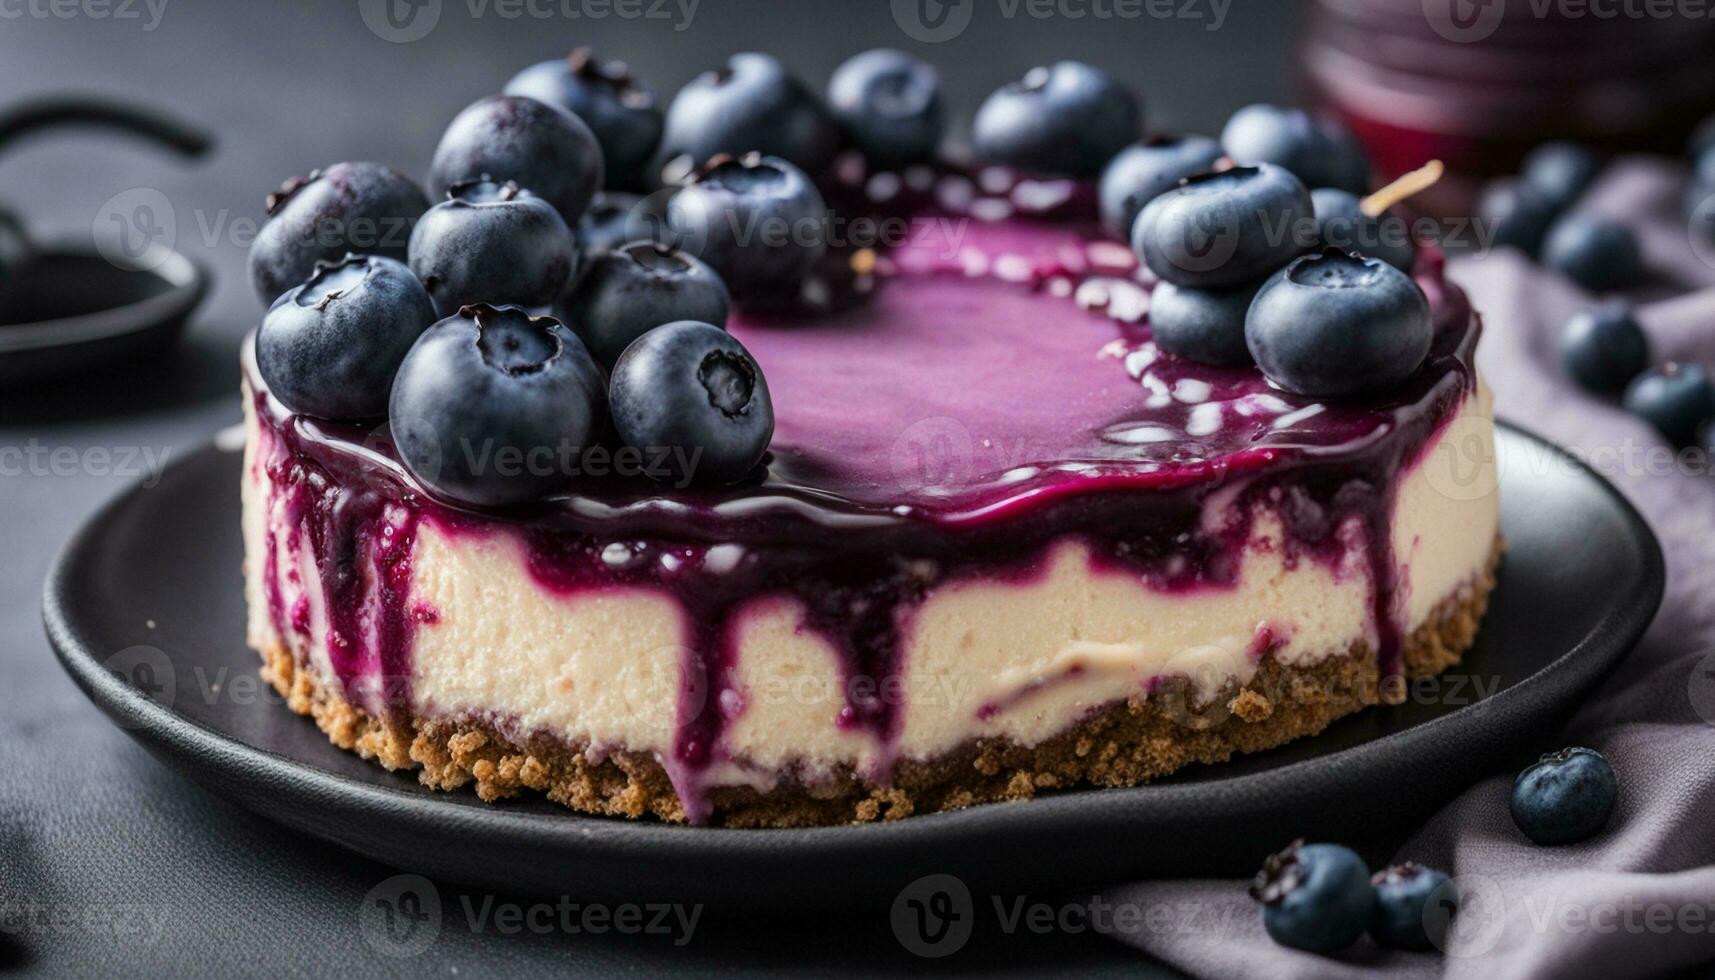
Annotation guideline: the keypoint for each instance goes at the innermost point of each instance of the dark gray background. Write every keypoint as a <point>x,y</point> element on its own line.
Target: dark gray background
<point>90,825</point>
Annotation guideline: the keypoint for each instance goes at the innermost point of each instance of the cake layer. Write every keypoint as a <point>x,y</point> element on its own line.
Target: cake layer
<point>1121,744</point>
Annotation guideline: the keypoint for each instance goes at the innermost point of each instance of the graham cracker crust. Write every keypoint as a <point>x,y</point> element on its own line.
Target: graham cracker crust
<point>1123,744</point>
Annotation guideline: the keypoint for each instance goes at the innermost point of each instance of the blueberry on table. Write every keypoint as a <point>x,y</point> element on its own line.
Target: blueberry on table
<point>330,347</point>
<point>1333,324</point>
<point>625,293</point>
<point>1226,229</point>
<point>492,406</point>
<point>692,388</point>
<point>535,145</point>
<point>1603,348</point>
<point>620,110</point>
<point>1561,172</point>
<point>1341,223</point>
<point>1677,399</point>
<point>1065,119</point>
<point>1204,325</point>
<point>753,105</point>
<point>758,221</point>
<point>1516,215</point>
<point>1144,171</point>
<point>889,105</point>
<point>1414,906</point>
<point>1598,254</point>
<point>347,208</point>
<point>1315,897</point>
<point>1320,152</point>
<point>492,243</point>
<point>1565,797</point>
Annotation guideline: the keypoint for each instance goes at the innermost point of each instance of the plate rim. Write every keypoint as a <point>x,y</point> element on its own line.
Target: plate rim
<point>160,728</point>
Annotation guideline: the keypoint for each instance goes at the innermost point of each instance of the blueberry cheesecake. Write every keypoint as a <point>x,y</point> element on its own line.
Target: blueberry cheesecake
<point>861,482</point>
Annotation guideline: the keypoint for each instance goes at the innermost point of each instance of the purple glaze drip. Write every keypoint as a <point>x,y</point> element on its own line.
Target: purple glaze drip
<point>361,537</point>
<point>988,389</point>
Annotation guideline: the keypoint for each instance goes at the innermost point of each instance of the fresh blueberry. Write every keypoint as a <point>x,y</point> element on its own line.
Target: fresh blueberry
<point>1226,229</point>
<point>758,221</point>
<point>625,293</point>
<point>1334,324</point>
<point>1205,325</point>
<point>692,388</point>
<point>1315,897</point>
<point>533,144</point>
<point>751,105</point>
<point>1517,215</point>
<point>1566,797</point>
<point>1320,152</point>
<point>1065,119</point>
<point>1676,398</point>
<point>1596,253</point>
<point>1561,172</point>
<point>619,110</point>
<point>330,347</point>
<point>1341,223</point>
<point>890,106</point>
<point>361,208</point>
<point>1414,906</point>
<point>492,243</point>
<point>1144,171</point>
<point>492,404</point>
<point>1603,348</point>
<point>615,218</point>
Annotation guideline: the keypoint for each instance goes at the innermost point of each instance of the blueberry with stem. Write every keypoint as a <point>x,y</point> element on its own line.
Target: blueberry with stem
<point>330,347</point>
<point>494,243</point>
<point>1064,119</point>
<point>535,145</point>
<point>618,108</point>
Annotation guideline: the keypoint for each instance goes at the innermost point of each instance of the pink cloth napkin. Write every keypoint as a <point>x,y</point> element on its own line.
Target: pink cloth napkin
<point>1639,899</point>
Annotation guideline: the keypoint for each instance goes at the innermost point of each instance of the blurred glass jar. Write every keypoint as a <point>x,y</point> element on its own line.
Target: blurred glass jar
<point>1476,83</point>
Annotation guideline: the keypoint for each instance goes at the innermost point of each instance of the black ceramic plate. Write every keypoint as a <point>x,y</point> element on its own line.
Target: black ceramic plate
<point>78,311</point>
<point>144,607</point>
